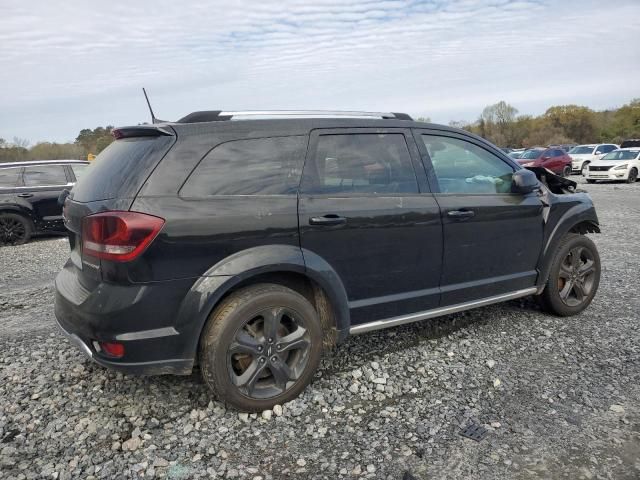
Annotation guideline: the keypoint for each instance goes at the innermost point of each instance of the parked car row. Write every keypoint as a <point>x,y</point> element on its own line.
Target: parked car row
<point>583,155</point>
<point>29,194</point>
<point>595,161</point>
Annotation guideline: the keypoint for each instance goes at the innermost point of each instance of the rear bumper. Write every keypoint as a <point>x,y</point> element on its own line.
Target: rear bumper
<point>138,316</point>
<point>159,367</point>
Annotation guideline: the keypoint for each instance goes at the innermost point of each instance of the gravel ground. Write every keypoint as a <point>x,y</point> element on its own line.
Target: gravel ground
<point>558,396</point>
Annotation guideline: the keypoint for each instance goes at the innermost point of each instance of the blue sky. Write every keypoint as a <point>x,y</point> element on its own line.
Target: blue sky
<point>75,64</point>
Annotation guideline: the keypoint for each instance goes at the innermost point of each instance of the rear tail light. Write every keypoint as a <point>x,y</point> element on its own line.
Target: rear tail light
<point>111,349</point>
<point>118,236</point>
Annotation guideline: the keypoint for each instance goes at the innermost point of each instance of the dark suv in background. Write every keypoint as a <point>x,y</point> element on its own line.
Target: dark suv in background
<point>248,247</point>
<point>29,194</point>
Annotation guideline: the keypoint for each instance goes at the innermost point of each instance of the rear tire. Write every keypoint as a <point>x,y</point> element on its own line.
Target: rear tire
<point>574,276</point>
<point>260,347</point>
<point>15,229</point>
<point>633,176</point>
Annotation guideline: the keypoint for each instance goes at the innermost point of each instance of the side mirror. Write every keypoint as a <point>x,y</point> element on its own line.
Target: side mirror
<point>524,181</point>
<point>598,152</point>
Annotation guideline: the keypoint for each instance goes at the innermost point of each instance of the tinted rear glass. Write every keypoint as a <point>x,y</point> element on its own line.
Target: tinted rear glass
<point>260,166</point>
<point>121,169</point>
<point>44,175</point>
<point>9,177</point>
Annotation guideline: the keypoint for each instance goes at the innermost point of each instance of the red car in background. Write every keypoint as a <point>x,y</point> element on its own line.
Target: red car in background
<point>554,159</point>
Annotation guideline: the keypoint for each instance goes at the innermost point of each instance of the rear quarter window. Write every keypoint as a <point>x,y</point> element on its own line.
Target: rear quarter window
<point>44,175</point>
<point>257,166</point>
<point>9,177</point>
<point>121,169</point>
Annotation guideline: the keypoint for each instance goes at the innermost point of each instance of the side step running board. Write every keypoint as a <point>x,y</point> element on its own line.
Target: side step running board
<point>438,312</point>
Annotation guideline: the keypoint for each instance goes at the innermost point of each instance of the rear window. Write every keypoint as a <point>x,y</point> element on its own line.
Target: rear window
<point>44,176</point>
<point>121,169</point>
<point>9,177</point>
<point>259,166</point>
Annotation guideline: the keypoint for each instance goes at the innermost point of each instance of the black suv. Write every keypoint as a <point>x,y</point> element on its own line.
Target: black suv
<point>29,194</point>
<point>248,247</point>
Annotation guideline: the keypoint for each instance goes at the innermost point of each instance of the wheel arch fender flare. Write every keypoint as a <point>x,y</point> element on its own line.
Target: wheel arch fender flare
<point>25,211</point>
<point>580,218</point>
<point>222,277</point>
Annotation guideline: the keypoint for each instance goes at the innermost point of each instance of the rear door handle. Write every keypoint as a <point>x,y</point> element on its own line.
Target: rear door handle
<point>25,195</point>
<point>461,214</point>
<point>327,220</point>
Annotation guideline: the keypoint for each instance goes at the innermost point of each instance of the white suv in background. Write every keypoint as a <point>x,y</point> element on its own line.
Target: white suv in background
<point>622,164</point>
<point>583,155</point>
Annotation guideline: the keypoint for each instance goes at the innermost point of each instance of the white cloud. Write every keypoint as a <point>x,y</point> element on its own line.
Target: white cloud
<point>74,64</point>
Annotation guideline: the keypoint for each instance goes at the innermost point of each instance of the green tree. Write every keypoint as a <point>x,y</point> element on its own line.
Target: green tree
<point>576,122</point>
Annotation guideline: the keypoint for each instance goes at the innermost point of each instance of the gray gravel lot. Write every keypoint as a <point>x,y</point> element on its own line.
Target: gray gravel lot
<point>559,396</point>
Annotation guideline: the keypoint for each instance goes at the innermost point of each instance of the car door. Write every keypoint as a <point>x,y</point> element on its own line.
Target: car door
<point>367,211</point>
<point>42,185</point>
<point>556,160</point>
<point>492,237</point>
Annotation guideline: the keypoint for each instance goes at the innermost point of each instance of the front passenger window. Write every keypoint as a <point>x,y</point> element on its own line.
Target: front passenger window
<point>463,167</point>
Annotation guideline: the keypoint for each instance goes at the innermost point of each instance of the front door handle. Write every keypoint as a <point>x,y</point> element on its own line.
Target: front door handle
<point>25,195</point>
<point>327,220</point>
<point>461,214</point>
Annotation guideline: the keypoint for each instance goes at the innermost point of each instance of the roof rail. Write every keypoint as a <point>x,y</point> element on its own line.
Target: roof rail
<point>219,115</point>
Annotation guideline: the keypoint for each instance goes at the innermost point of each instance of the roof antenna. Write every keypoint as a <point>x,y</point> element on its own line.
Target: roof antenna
<point>153,117</point>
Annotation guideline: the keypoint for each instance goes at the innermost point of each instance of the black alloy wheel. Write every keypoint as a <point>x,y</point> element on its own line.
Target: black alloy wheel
<point>633,176</point>
<point>576,276</point>
<point>260,347</point>
<point>269,353</point>
<point>14,229</point>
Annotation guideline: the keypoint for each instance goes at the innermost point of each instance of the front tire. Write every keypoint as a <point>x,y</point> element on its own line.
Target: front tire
<point>585,169</point>
<point>574,276</point>
<point>633,176</point>
<point>14,229</point>
<point>260,347</point>
<point>566,172</point>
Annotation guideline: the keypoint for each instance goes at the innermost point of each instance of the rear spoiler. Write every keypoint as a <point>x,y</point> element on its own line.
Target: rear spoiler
<point>141,131</point>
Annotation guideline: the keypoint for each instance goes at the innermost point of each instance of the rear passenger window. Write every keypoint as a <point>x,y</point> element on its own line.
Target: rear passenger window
<point>262,166</point>
<point>44,175</point>
<point>463,167</point>
<point>361,163</point>
<point>9,177</point>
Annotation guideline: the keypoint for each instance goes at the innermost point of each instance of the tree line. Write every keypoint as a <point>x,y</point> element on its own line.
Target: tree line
<point>87,142</point>
<point>562,124</point>
<point>498,123</point>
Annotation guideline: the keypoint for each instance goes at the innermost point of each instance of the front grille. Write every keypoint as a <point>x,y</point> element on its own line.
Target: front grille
<point>598,169</point>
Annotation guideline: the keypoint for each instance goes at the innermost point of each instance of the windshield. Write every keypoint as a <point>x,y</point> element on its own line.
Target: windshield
<point>621,155</point>
<point>531,154</point>
<point>581,150</point>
